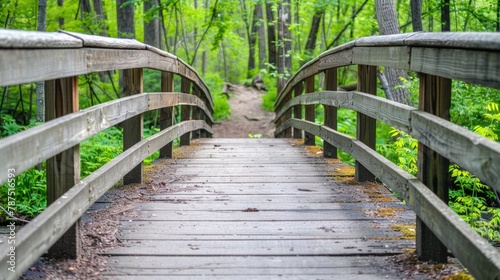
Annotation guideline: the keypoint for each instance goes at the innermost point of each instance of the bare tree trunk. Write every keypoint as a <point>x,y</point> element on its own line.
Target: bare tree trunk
<point>40,86</point>
<point>498,15</point>
<point>100,17</point>
<point>285,44</point>
<point>125,19</point>
<point>313,34</point>
<point>151,25</point>
<point>388,24</point>
<point>271,34</point>
<point>253,41</point>
<point>259,15</point>
<point>416,15</point>
<point>445,15</point>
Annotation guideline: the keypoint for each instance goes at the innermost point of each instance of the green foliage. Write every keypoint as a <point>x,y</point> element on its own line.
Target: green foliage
<point>403,151</point>
<point>100,149</point>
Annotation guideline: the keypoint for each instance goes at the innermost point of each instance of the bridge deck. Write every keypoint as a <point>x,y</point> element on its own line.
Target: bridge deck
<point>261,208</point>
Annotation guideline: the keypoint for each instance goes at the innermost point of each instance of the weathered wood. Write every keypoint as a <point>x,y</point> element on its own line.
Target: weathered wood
<point>459,40</point>
<point>63,170</point>
<point>166,114</point>
<point>133,127</point>
<point>433,169</point>
<point>458,64</point>
<point>185,111</point>
<point>330,117</point>
<point>366,126</point>
<point>35,238</point>
<point>389,56</point>
<point>106,42</point>
<point>17,39</point>
<point>297,110</point>
<point>310,112</point>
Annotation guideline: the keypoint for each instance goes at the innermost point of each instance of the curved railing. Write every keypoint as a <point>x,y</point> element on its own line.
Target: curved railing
<point>437,58</point>
<point>58,58</point>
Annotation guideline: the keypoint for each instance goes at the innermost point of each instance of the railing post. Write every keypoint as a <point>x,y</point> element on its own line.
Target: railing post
<point>366,126</point>
<point>63,170</point>
<point>133,127</point>
<point>297,110</point>
<point>434,98</point>
<point>287,115</point>
<point>166,114</point>
<point>196,113</point>
<point>330,151</point>
<point>310,112</point>
<point>185,111</point>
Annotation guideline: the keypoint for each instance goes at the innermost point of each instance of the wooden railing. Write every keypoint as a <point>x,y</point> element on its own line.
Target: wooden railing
<point>58,58</point>
<point>437,58</point>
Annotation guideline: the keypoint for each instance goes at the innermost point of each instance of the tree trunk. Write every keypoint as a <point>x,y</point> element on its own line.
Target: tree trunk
<point>151,25</point>
<point>388,24</point>
<point>285,44</point>
<point>271,34</point>
<point>313,34</point>
<point>253,42</point>
<point>416,15</point>
<point>498,16</point>
<point>445,16</point>
<point>259,15</point>
<point>40,86</point>
<point>100,17</point>
<point>125,19</point>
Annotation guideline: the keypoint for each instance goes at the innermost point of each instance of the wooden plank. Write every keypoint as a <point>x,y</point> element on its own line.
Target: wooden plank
<point>185,111</point>
<point>63,170</point>
<point>256,266</point>
<point>106,42</point>
<point>310,114</point>
<point>330,114</point>
<point>37,65</point>
<point>133,127</point>
<point>17,39</point>
<point>166,114</point>
<point>264,247</point>
<point>297,110</point>
<point>389,56</point>
<point>366,126</point>
<point>335,59</point>
<point>459,40</point>
<point>469,150</point>
<point>433,169</point>
<point>458,64</point>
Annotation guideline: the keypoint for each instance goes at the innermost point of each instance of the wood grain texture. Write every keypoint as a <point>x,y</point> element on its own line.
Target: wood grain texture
<point>199,224</point>
<point>389,56</point>
<point>77,127</point>
<point>18,39</point>
<point>41,233</point>
<point>106,42</point>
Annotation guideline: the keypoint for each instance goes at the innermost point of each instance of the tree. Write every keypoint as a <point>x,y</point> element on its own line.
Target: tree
<point>151,23</point>
<point>40,86</point>
<point>284,61</point>
<point>260,21</point>
<point>388,24</point>
<point>125,19</point>
<point>416,15</point>
<point>313,33</point>
<point>271,34</point>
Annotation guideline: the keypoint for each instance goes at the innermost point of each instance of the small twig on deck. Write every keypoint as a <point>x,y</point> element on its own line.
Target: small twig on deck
<point>13,217</point>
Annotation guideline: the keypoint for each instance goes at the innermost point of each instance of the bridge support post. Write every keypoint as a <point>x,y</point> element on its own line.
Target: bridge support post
<point>434,98</point>
<point>330,151</point>
<point>297,110</point>
<point>310,113</point>
<point>366,126</point>
<point>63,170</point>
<point>185,111</point>
<point>287,115</point>
<point>133,127</point>
<point>166,114</point>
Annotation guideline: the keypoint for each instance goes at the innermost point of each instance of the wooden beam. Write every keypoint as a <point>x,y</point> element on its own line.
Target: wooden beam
<point>434,98</point>
<point>63,170</point>
<point>297,110</point>
<point>166,114</point>
<point>330,151</point>
<point>185,111</point>
<point>287,115</point>
<point>310,112</point>
<point>133,127</point>
<point>366,126</point>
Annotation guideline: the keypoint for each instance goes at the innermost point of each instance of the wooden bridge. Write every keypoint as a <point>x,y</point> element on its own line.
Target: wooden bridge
<point>261,207</point>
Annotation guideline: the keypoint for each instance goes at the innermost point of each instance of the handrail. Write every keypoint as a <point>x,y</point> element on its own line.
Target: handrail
<point>45,56</point>
<point>470,57</point>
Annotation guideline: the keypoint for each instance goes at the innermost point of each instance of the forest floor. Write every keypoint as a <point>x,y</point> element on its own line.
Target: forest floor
<point>99,225</point>
<point>247,115</point>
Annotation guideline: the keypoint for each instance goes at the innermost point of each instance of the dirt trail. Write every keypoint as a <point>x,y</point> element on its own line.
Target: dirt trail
<point>247,115</point>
